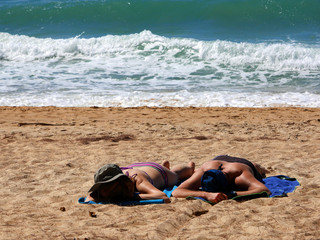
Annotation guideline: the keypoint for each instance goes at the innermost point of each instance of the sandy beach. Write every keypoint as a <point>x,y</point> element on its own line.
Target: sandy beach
<point>49,155</point>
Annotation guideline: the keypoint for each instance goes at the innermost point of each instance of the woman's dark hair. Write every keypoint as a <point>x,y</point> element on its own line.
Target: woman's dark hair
<point>119,193</point>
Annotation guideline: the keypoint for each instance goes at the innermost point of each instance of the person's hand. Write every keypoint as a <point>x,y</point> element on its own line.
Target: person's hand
<point>216,197</point>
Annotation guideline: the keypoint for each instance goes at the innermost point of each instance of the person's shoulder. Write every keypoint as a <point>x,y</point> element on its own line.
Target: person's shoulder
<point>243,166</point>
<point>210,165</point>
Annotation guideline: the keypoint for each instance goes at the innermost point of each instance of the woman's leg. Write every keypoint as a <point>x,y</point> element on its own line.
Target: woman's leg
<point>183,171</point>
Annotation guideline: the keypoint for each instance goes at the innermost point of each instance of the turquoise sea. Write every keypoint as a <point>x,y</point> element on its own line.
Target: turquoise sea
<point>202,53</point>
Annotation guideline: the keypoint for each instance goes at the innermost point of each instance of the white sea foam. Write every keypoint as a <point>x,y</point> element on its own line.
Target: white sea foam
<point>178,99</point>
<point>149,70</point>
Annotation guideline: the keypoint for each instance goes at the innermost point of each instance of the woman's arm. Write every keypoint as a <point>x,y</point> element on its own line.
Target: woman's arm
<point>147,190</point>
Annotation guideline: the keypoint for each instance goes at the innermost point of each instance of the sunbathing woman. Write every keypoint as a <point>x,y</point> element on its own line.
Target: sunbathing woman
<point>137,181</point>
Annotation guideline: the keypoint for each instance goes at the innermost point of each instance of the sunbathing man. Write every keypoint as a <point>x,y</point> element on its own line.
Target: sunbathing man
<point>223,178</point>
<point>137,181</point>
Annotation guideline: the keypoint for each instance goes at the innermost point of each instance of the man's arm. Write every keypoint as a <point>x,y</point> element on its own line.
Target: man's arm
<point>249,184</point>
<point>190,187</point>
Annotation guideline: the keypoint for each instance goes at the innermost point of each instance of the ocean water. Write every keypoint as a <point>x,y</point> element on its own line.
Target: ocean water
<point>201,53</point>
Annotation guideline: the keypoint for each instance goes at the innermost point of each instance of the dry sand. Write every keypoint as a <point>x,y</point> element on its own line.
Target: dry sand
<point>49,155</point>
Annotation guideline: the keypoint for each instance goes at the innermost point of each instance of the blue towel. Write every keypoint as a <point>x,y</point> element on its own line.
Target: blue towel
<point>168,191</point>
<point>280,185</point>
<point>126,203</point>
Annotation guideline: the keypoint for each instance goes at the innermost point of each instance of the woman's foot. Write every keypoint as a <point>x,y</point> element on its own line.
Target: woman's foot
<point>192,166</point>
<point>166,164</point>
